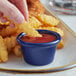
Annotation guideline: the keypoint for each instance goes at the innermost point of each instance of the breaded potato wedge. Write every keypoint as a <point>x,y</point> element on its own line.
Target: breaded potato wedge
<point>35,7</point>
<point>55,29</point>
<point>8,31</point>
<point>60,45</point>
<point>34,22</point>
<point>48,20</point>
<point>29,30</point>
<point>1,27</point>
<point>17,51</point>
<point>10,43</point>
<point>3,50</point>
<point>0,61</point>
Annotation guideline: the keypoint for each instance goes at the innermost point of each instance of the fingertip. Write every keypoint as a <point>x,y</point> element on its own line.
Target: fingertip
<point>20,20</point>
<point>26,19</point>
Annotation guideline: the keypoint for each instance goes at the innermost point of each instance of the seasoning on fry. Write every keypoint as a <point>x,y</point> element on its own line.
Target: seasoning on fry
<point>10,43</point>
<point>34,22</point>
<point>8,31</point>
<point>48,20</point>
<point>3,50</point>
<point>17,51</point>
<point>29,30</point>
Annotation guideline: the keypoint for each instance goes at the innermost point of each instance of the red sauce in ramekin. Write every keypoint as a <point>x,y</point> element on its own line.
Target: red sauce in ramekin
<point>45,38</point>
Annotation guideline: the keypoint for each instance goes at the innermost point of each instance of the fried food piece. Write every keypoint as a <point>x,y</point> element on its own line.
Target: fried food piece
<point>0,61</point>
<point>60,45</point>
<point>48,20</point>
<point>4,24</point>
<point>34,22</point>
<point>55,29</point>
<point>1,27</point>
<point>35,7</point>
<point>29,30</point>
<point>3,51</point>
<point>10,43</point>
<point>8,31</point>
<point>17,51</point>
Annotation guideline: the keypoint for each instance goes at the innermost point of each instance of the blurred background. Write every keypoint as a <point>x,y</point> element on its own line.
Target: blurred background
<point>64,6</point>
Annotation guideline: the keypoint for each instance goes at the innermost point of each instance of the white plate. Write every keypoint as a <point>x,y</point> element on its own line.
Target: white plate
<point>64,58</point>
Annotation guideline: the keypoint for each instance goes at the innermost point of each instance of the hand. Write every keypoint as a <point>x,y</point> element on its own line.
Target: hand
<point>16,10</point>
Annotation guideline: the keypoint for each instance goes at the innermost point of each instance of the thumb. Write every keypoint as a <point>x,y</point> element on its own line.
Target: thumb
<point>11,11</point>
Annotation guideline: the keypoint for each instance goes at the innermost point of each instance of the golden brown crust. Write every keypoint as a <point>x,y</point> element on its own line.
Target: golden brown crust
<point>10,42</point>
<point>17,51</point>
<point>35,7</point>
<point>8,31</point>
<point>3,51</point>
<point>48,20</point>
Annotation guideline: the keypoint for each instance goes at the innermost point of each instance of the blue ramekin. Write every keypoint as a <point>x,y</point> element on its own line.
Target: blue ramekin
<point>39,53</point>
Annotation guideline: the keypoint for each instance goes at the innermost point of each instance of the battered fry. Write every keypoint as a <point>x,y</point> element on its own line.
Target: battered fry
<point>17,51</point>
<point>35,7</point>
<point>48,20</point>
<point>34,22</point>
<point>10,43</point>
<point>60,45</point>
<point>8,31</point>
<point>29,30</point>
<point>3,50</point>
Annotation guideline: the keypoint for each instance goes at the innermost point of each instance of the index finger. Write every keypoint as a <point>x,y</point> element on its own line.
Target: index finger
<point>11,11</point>
<point>22,6</point>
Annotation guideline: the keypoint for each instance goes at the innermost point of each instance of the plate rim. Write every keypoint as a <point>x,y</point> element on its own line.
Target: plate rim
<point>37,71</point>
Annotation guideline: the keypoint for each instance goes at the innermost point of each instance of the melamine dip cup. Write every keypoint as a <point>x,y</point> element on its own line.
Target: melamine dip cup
<point>39,53</point>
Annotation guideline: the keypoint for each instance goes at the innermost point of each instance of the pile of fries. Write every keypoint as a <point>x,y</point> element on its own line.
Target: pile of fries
<point>8,34</point>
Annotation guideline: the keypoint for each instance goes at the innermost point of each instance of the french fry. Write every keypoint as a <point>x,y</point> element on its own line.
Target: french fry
<point>48,20</point>
<point>3,51</point>
<point>0,61</point>
<point>17,51</point>
<point>60,45</point>
<point>8,31</point>
<point>1,27</point>
<point>34,22</point>
<point>35,7</point>
<point>10,43</point>
<point>29,30</point>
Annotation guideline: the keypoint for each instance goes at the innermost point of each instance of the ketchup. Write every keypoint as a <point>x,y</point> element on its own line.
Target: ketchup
<point>45,38</point>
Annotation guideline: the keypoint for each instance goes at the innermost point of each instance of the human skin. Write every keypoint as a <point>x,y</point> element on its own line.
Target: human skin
<point>13,11</point>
